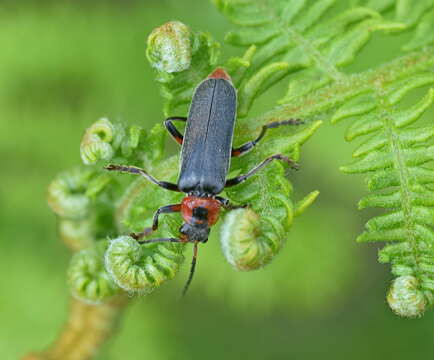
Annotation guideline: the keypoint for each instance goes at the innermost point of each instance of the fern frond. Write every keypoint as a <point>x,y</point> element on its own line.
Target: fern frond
<point>424,34</point>
<point>418,16</point>
<point>300,38</point>
<point>409,12</point>
<point>297,37</point>
<point>395,155</point>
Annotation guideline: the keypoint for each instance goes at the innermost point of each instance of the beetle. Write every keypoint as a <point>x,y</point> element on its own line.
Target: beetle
<point>205,159</point>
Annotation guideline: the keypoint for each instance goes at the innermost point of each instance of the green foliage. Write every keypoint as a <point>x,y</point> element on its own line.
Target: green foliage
<point>303,41</point>
<point>131,266</point>
<point>309,43</point>
<point>66,64</point>
<point>299,38</point>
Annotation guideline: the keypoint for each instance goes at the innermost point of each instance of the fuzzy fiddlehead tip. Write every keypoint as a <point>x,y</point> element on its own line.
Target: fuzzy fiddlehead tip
<point>169,47</point>
<point>142,268</point>
<point>406,297</point>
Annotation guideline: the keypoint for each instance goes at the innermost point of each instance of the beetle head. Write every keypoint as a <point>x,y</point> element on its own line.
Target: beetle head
<point>195,232</point>
<point>197,227</point>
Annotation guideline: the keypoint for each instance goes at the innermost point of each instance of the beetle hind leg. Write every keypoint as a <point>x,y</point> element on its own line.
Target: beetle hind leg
<point>241,178</point>
<point>243,149</point>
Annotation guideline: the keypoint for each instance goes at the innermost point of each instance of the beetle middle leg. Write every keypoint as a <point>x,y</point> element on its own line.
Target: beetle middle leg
<point>162,210</point>
<point>241,178</point>
<point>171,128</point>
<point>135,170</point>
<point>251,144</point>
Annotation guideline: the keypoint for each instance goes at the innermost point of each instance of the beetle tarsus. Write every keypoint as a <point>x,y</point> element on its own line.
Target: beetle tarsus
<point>146,232</point>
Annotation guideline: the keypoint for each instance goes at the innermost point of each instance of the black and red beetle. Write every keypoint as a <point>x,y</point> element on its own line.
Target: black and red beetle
<point>205,159</point>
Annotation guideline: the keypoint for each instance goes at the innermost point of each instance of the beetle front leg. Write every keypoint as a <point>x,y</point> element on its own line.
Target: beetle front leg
<point>239,179</point>
<point>171,128</point>
<point>135,170</point>
<point>162,210</point>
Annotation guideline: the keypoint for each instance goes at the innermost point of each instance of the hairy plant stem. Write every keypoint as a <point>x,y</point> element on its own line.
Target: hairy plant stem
<point>86,330</point>
<point>399,164</point>
<point>87,326</point>
<point>328,97</point>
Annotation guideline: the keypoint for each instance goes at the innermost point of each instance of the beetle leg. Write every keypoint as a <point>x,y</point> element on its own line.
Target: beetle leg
<point>136,170</point>
<point>173,240</point>
<point>227,204</point>
<point>162,210</point>
<point>251,144</point>
<point>172,128</point>
<point>239,179</point>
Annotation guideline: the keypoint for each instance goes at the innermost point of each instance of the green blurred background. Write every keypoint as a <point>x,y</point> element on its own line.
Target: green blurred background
<point>65,64</point>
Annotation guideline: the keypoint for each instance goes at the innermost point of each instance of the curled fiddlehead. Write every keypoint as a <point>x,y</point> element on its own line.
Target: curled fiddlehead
<point>88,279</point>
<point>142,268</point>
<point>67,194</point>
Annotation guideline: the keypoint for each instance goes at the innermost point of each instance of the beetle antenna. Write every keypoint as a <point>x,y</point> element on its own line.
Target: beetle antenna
<point>192,268</point>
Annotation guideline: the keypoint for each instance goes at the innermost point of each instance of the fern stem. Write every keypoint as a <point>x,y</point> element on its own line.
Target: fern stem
<point>332,95</point>
<point>88,327</point>
<point>404,177</point>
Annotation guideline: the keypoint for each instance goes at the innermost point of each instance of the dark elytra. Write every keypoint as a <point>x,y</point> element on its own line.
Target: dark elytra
<point>206,150</point>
